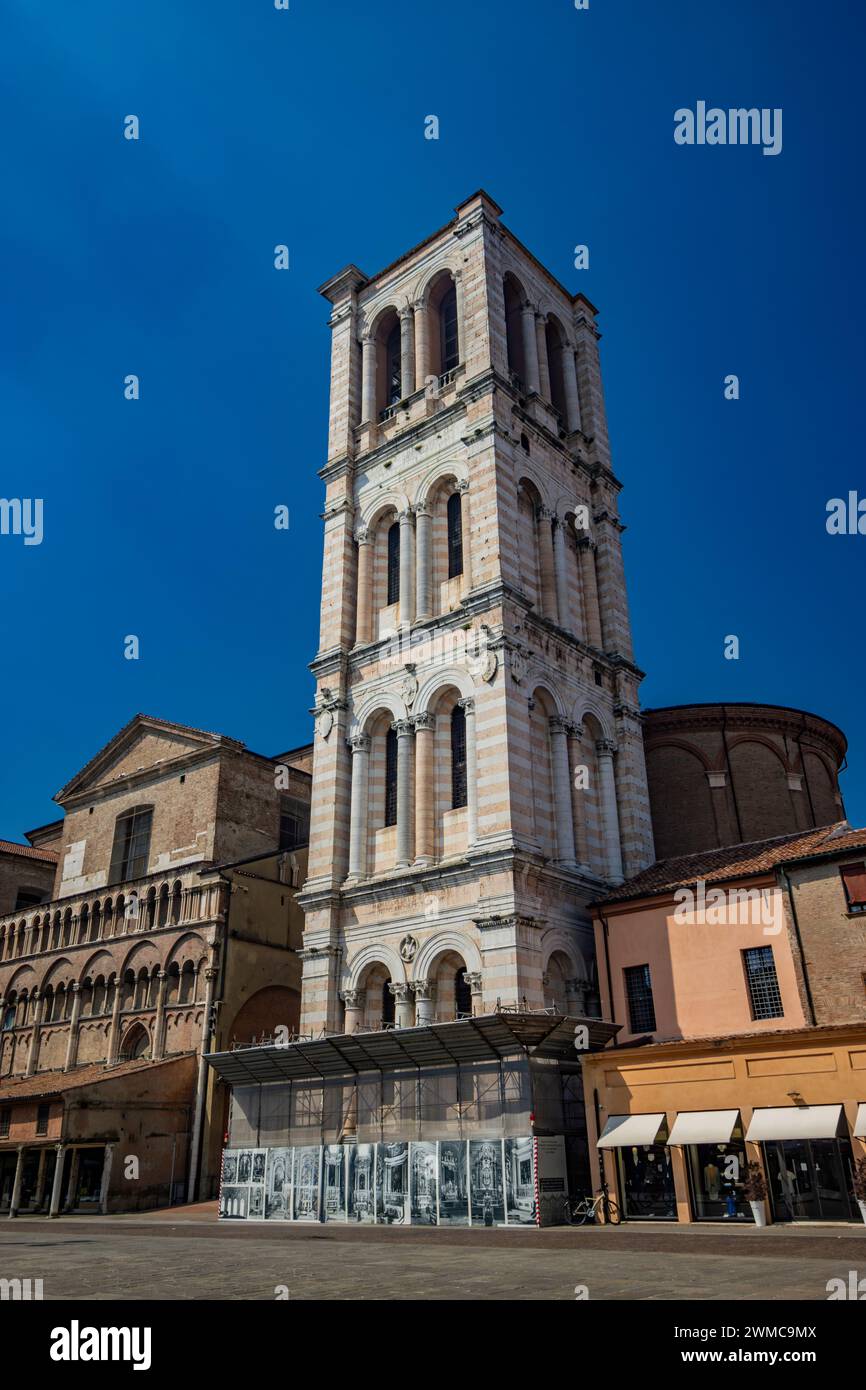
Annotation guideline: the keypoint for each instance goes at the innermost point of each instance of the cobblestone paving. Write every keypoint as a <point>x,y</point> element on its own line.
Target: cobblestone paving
<point>157,1260</point>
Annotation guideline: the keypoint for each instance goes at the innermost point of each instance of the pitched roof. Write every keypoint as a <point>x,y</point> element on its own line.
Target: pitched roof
<point>737,861</point>
<point>48,856</point>
<point>52,1083</point>
<point>144,721</point>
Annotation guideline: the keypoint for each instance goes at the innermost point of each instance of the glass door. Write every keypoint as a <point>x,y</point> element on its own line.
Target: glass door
<point>810,1179</point>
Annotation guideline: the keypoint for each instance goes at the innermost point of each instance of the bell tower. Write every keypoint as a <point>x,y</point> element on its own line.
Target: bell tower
<point>479,772</point>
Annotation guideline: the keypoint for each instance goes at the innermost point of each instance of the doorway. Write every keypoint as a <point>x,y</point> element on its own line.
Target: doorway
<point>811,1179</point>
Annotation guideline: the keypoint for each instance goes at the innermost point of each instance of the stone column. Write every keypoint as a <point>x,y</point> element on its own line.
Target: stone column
<point>423,1002</point>
<point>403,1011</point>
<point>474,981</point>
<point>560,573</point>
<point>407,351</point>
<point>368,380</point>
<point>572,399</point>
<point>159,1028</point>
<point>562,792</point>
<point>404,731</point>
<point>422,346</point>
<point>577,998</point>
<point>548,572</point>
<point>360,746</point>
<point>543,364</point>
<point>466,529</point>
<point>16,1185</point>
<point>530,348</point>
<point>578,794</point>
<point>72,1045</point>
<point>605,749</point>
<point>468,707</point>
<point>39,1195</point>
<point>106,1179</point>
<point>114,1033</point>
<point>423,547</point>
<point>407,568</point>
<point>363,604</point>
<point>201,1081</point>
<point>57,1184</point>
<point>589,586</point>
<point>33,1049</point>
<point>425,794</point>
<point>72,1185</point>
<point>354,1000</point>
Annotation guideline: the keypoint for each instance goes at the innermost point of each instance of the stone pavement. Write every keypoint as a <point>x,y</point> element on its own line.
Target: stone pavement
<point>185,1254</point>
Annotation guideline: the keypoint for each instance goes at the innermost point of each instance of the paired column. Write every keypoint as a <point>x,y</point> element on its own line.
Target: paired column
<point>560,573</point>
<point>360,745</point>
<point>407,568</point>
<point>572,399</point>
<point>422,346</point>
<point>368,380</point>
<point>425,726</point>
<point>363,609</point>
<point>562,792</point>
<point>543,364</point>
<point>468,707</point>
<point>423,546</point>
<point>407,351</point>
<point>404,730</point>
<point>530,348</point>
<point>72,1046</point>
<point>57,1184</point>
<point>589,587</point>
<point>605,749</point>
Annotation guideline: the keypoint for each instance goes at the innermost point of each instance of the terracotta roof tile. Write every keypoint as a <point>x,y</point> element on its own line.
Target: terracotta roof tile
<point>48,856</point>
<point>737,861</point>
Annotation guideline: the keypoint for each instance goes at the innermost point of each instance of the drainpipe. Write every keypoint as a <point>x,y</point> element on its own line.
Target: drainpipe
<point>604,928</point>
<point>207,1032</point>
<point>789,888</point>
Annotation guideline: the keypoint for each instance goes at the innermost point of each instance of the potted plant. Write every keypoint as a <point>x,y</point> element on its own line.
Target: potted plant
<point>860,1185</point>
<point>755,1193</point>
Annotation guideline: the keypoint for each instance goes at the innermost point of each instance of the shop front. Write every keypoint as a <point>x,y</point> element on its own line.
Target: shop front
<point>809,1162</point>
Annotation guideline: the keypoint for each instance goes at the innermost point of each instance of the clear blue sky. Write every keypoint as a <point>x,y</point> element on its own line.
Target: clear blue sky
<point>306,127</point>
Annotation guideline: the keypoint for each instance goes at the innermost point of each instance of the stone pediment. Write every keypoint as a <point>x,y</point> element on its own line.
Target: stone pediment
<point>141,745</point>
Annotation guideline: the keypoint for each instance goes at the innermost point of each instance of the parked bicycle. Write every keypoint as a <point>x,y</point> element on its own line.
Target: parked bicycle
<point>601,1209</point>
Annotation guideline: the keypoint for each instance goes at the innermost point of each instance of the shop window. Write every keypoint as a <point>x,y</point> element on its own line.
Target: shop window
<point>854,882</point>
<point>764,995</point>
<point>639,994</point>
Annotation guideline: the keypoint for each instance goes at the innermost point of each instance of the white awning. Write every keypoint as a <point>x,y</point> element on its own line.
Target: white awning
<point>704,1127</point>
<point>795,1122</point>
<point>621,1131</point>
<point>860,1123</point>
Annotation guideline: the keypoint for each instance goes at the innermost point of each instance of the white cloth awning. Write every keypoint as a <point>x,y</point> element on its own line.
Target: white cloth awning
<point>704,1127</point>
<point>795,1122</point>
<point>860,1123</point>
<point>623,1130</point>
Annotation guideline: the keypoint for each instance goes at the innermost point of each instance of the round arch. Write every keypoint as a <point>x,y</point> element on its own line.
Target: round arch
<point>461,943</point>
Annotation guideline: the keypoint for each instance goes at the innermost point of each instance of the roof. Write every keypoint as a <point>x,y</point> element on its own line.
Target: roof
<point>54,1083</point>
<point>738,861</point>
<point>489,1038</point>
<point>47,856</point>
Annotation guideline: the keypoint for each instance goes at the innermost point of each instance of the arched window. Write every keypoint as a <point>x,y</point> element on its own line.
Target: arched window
<point>462,993</point>
<point>388,1002</point>
<point>393,367</point>
<point>394,563</point>
<point>391,777</point>
<point>448,332</point>
<point>187,983</point>
<point>455,536</point>
<point>176,903</point>
<point>131,848</point>
<point>458,757</point>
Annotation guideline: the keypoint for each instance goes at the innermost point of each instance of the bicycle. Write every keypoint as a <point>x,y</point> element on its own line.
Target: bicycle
<point>601,1208</point>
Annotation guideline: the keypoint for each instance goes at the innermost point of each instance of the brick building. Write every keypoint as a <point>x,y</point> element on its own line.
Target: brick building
<point>170,924</point>
<point>738,981</point>
<point>724,774</point>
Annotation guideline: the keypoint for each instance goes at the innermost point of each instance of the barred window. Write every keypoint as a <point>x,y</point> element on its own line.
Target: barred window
<point>458,757</point>
<point>131,848</point>
<point>455,536</point>
<point>764,995</point>
<point>42,1114</point>
<point>639,993</point>
<point>393,367</point>
<point>391,777</point>
<point>394,563</point>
